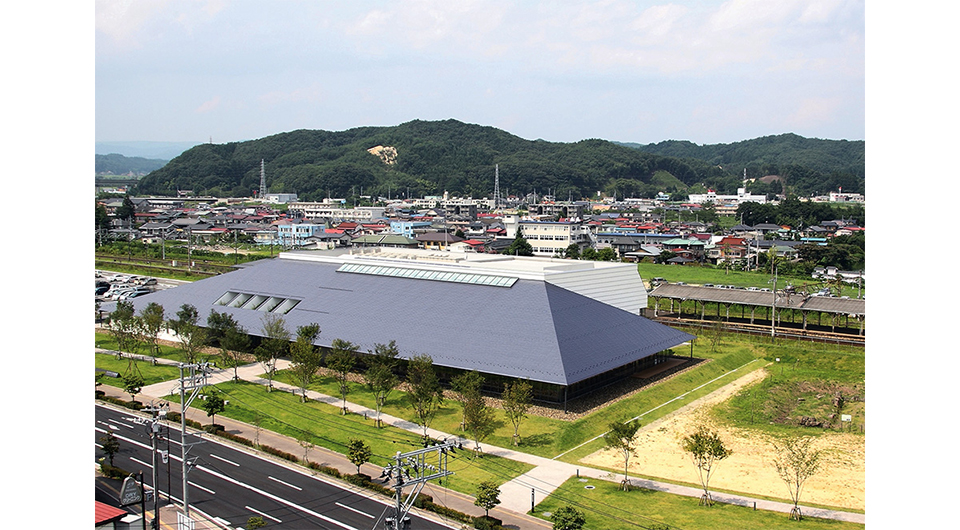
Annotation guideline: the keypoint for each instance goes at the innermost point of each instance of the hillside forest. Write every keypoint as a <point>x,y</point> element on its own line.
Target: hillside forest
<point>433,157</point>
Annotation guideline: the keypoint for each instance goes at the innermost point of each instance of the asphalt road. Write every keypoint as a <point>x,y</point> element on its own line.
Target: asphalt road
<point>231,485</point>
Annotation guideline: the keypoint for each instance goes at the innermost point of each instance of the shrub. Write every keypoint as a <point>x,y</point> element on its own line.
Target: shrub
<point>485,522</point>
<point>112,471</point>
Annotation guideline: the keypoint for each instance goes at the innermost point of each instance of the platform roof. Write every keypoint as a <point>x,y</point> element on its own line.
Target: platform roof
<point>824,304</point>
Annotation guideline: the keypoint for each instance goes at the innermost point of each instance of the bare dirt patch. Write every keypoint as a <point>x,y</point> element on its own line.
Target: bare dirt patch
<point>840,483</point>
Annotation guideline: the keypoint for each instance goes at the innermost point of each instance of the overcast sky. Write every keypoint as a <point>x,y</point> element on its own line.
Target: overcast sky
<point>632,71</point>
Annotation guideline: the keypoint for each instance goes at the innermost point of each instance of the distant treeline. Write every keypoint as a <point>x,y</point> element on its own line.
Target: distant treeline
<point>438,156</point>
<point>115,164</point>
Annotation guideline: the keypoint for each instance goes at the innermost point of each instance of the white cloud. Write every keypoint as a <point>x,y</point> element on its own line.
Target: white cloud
<point>309,94</point>
<point>123,20</point>
<point>209,105</point>
<point>813,112</point>
<point>488,61</point>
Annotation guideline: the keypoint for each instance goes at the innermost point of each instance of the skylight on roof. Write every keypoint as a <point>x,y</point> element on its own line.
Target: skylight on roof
<point>420,274</point>
<point>257,302</point>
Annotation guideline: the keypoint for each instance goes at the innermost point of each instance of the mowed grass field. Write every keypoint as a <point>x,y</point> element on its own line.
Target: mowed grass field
<point>605,507</point>
<point>699,275</point>
<point>803,367</point>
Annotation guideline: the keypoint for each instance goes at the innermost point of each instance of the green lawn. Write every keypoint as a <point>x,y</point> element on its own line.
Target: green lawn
<point>804,382</point>
<point>105,340</point>
<point>324,426</point>
<point>803,368</point>
<point>700,275</point>
<point>549,437</point>
<point>605,507</point>
<point>151,374</point>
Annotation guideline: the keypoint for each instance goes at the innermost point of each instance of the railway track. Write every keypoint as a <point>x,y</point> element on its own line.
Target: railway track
<point>199,267</point>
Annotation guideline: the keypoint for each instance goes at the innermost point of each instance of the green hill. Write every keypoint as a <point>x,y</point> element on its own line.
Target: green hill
<point>431,157</point>
<point>809,164</point>
<point>114,164</point>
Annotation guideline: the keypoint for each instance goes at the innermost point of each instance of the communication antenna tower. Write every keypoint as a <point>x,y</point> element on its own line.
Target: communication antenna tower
<point>263,181</point>
<point>496,186</point>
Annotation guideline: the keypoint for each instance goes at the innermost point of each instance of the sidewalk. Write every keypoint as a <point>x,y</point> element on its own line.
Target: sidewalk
<point>515,495</point>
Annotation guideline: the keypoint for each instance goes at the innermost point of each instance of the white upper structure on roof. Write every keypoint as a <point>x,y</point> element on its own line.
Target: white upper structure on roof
<point>616,284</point>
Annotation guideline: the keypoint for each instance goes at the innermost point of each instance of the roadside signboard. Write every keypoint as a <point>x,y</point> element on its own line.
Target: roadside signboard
<point>130,492</point>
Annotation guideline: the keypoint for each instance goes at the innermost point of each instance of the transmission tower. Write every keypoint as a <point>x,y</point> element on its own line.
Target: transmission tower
<point>496,186</point>
<point>263,181</point>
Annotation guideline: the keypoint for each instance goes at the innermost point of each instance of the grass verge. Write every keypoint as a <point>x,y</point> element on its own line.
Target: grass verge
<point>606,507</point>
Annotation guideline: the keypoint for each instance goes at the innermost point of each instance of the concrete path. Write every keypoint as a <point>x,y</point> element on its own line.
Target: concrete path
<point>517,494</point>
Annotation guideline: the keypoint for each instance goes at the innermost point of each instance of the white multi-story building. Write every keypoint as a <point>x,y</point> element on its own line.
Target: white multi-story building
<point>742,196</point>
<point>548,238</point>
<point>325,211</point>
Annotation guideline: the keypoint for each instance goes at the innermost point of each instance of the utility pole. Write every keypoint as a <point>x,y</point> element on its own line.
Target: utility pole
<point>412,470</point>
<point>153,430</point>
<point>773,313</point>
<point>193,378</point>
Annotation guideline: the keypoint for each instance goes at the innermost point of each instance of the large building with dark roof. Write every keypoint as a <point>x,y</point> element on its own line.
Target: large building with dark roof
<point>568,326</point>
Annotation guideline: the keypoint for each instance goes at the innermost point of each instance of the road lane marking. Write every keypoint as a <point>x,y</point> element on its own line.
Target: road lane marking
<point>222,459</point>
<point>298,488</point>
<point>354,510</point>
<point>258,512</point>
<point>198,486</point>
<point>276,498</point>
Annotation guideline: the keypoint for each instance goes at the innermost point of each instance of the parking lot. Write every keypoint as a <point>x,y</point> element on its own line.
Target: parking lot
<point>116,286</point>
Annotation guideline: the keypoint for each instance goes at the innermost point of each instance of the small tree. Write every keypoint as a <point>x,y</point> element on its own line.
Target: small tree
<point>620,437</point>
<point>796,461</point>
<point>479,417</point>
<point>254,522</point>
<point>304,440</point>
<point>488,497</point>
<point>234,346</point>
<point>465,386</point>
<point>706,449</point>
<point>516,402</point>
<point>342,360</point>
<point>567,517</point>
<point>716,335</point>
<point>151,322</point>
<point>275,343</point>
<point>213,404</point>
<point>132,379</point>
<point>123,327</point>
<point>380,376</point>
<point>519,246</point>
<point>192,336</point>
<point>306,358</point>
<point>425,393</point>
<point>358,452</point>
<point>110,445</point>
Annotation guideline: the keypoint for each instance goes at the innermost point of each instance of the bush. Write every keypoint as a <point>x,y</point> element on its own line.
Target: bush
<point>327,470</point>
<point>112,471</point>
<point>485,522</point>
<point>277,452</point>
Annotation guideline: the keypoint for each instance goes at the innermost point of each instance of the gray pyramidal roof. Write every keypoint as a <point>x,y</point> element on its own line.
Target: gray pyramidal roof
<point>533,330</point>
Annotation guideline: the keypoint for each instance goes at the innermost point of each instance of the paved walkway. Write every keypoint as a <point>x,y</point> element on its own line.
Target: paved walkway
<point>515,495</point>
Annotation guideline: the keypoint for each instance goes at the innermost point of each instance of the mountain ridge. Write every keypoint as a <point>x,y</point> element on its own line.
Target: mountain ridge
<point>460,158</point>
